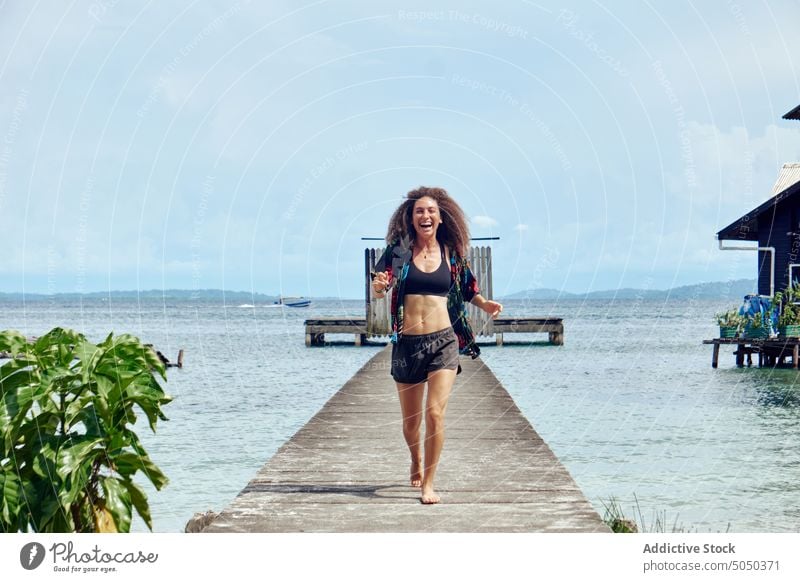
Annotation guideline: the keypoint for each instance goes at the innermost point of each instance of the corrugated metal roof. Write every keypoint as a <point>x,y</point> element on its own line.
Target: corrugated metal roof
<point>789,175</point>
<point>793,114</point>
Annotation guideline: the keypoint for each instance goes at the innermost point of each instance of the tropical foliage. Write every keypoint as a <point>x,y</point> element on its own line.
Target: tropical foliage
<point>755,321</point>
<point>730,318</point>
<point>785,304</point>
<point>69,454</point>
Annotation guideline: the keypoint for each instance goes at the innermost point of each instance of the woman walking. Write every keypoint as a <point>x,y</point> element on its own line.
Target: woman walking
<point>425,265</point>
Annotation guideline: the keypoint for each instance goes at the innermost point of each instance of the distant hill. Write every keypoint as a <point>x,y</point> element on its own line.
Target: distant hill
<point>199,294</point>
<point>716,290</point>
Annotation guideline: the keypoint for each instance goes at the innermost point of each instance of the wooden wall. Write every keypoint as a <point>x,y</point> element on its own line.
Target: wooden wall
<point>779,228</point>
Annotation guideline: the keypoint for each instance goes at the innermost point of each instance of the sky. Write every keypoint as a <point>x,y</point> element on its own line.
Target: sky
<point>250,146</point>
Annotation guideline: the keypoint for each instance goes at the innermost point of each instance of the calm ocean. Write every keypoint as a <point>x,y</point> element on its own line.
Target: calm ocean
<point>630,403</point>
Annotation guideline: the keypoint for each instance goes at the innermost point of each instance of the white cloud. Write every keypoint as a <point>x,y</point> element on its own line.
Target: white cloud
<point>521,227</point>
<point>484,221</point>
<point>732,171</point>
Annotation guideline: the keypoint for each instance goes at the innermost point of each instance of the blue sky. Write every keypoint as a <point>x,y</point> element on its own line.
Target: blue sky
<point>250,145</point>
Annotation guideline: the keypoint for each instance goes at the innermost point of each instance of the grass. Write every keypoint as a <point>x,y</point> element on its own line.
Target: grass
<point>619,523</point>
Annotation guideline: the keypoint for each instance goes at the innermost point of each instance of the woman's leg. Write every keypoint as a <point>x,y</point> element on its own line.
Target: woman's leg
<point>440,384</point>
<point>411,407</point>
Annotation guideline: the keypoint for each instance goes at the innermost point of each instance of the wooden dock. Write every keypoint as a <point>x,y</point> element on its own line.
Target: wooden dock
<point>317,328</point>
<point>552,326</point>
<point>347,469</point>
<point>771,351</point>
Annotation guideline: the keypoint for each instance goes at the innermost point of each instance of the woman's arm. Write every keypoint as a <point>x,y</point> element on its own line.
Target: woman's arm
<point>478,301</point>
<point>380,285</point>
<point>472,293</point>
<point>493,308</point>
<point>382,276</point>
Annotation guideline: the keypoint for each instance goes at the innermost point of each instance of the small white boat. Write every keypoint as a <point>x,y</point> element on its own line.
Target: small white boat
<point>293,301</point>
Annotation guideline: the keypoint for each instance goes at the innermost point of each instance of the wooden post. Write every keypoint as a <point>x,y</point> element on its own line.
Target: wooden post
<point>739,356</point>
<point>499,338</point>
<point>715,356</point>
<point>180,358</point>
<point>795,354</point>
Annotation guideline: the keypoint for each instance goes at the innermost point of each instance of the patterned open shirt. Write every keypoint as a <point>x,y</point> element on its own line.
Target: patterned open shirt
<point>395,262</point>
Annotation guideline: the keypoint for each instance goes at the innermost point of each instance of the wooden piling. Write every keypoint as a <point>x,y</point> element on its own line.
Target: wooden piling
<point>771,351</point>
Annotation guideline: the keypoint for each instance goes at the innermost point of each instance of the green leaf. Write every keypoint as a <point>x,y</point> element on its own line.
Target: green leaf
<point>11,367</point>
<point>58,337</point>
<point>44,463</point>
<point>87,354</point>
<point>127,464</point>
<point>9,505</point>
<point>18,392</point>
<point>50,513</point>
<point>74,410</point>
<point>118,502</point>
<point>13,342</point>
<point>149,396</point>
<point>23,430</point>
<point>91,421</point>
<point>103,386</point>
<point>139,500</point>
<point>76,452</point>
<point>74,489</point>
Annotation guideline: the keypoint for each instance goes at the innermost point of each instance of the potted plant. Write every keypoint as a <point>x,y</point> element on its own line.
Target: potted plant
<point>788,311</point>
<point>730,323</point>
<point>756,326</point>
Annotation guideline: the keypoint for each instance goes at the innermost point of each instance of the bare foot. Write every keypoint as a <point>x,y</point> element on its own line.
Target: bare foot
<point>429,495</point>
<point>416,473</point>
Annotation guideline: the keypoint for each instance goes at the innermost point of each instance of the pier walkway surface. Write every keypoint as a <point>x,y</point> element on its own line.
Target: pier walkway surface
<point>347,469</point>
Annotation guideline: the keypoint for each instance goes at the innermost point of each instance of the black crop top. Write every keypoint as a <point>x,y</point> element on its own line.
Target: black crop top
<point>435,283</point>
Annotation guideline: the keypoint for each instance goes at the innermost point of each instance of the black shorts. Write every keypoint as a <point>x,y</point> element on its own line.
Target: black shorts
<point>413,356</point>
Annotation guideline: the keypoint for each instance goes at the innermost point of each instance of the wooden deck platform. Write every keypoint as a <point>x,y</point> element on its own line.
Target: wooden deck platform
<point>552,326</point>
<point>317,328</point>
<point>771,351</point>
<point>347,469</point>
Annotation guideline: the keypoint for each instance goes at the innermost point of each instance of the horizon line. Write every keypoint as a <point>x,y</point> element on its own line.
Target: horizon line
<point>240,292</point>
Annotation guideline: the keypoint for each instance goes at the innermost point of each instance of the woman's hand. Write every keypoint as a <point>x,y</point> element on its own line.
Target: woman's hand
<point>493,308</point>
<point>380,283</point>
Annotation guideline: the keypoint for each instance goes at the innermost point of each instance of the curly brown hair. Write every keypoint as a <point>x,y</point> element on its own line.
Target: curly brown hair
<point>453,231</point>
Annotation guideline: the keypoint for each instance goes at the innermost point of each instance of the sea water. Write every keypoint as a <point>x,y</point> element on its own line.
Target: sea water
<point>629,404</point>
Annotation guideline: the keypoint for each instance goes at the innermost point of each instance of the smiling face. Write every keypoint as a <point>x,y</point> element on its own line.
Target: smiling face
<point>425,217</point>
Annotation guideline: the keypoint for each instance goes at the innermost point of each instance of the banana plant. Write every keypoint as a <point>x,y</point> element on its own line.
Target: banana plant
<point>69,453</point>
